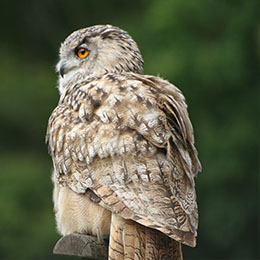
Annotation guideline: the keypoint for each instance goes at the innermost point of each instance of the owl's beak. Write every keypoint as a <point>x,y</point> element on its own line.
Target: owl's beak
<point>61,70</point>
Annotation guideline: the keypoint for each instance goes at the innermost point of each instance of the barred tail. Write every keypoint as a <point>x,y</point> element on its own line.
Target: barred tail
<point>132,241</point>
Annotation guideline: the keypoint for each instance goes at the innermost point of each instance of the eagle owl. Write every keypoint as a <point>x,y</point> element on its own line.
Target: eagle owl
<point>123,150</point>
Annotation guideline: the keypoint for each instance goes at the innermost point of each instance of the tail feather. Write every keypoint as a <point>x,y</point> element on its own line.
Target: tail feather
<point>132,241</point>
<point>116,243</point>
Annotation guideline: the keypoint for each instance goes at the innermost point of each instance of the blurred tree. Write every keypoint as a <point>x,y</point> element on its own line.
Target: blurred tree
<point>210,49</point>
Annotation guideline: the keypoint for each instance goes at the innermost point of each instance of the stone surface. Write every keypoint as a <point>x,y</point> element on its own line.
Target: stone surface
<point>86,247</point>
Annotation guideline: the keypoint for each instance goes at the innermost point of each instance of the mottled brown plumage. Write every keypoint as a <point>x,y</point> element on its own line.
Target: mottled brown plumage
<point>122,145</point>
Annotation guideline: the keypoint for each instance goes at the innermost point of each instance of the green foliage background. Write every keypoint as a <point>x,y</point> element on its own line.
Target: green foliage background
<point>209,48</point>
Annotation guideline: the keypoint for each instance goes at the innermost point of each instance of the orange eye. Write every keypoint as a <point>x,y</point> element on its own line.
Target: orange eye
<point>82,52</point>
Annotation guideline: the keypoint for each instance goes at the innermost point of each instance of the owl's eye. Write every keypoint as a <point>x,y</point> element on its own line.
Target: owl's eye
<point>82,52</point>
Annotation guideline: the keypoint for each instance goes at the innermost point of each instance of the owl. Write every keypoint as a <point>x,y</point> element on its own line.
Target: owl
<point>123,149</point>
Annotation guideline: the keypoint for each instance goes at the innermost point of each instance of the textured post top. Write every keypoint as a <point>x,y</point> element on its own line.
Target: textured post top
<point>83,246</point>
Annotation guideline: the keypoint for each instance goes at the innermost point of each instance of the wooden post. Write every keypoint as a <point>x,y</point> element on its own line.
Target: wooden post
<point>83,246</point>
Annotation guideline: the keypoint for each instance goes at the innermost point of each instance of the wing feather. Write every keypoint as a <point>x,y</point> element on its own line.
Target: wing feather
<point>129,139</point>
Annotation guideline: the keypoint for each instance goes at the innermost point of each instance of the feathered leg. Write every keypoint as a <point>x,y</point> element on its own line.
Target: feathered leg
<point>132,241</point>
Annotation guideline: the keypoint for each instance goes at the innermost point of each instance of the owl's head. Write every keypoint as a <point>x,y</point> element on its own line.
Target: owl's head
<point>97,50</point>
